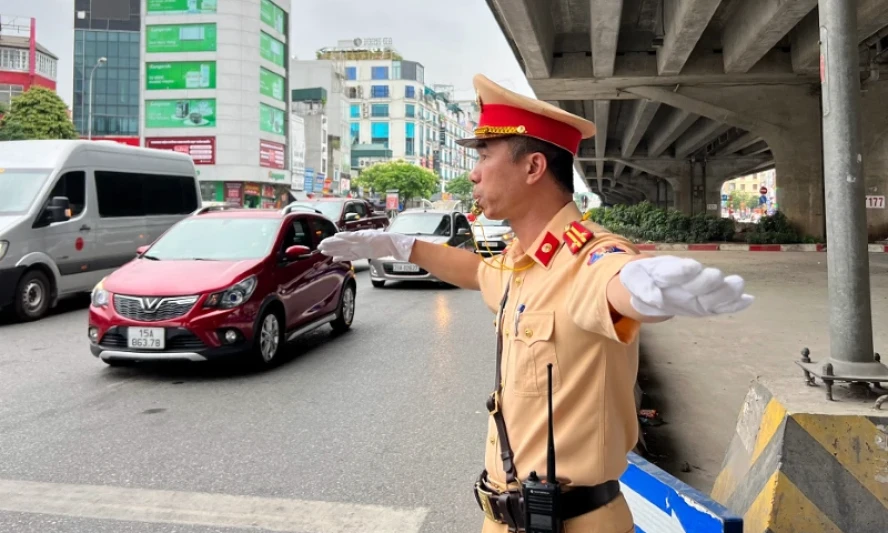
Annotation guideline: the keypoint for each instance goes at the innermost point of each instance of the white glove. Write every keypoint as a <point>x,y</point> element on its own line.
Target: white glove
<point>669,286</point>
<point>367,244</point>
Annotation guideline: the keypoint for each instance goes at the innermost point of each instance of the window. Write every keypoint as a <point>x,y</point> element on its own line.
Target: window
<point>379,73</point>
<point>410,91</point>
<point>130,194</point>
<point>355,111</point>
<point>355,132</point>
<point>379,133</point>
<point>356,207</point>
<point>379,110</point>
<point>422,224</point>
<point>410,111</point>
<point>8,92</point>
<point>321,229</point>
<point>351,73</point>
<point>297,235</point>
<point>210,239</point>
<point>396,70</point>
<point>379,91</point>
<point>409,136</point>
<point>72,185</point>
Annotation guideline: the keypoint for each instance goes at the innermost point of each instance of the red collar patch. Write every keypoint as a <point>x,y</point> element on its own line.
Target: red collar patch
<point>547,249</point>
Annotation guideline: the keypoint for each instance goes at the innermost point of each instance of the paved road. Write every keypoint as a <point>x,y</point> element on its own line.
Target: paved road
<point>389,415</point>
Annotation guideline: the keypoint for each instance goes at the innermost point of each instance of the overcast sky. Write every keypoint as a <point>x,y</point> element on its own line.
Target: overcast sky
<point>454,40</point>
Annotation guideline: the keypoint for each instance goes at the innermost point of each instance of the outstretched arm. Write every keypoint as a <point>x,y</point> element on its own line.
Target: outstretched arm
<point>452,265</point>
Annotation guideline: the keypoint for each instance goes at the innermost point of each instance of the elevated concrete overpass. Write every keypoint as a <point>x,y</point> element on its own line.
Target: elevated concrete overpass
<point>688,94</point>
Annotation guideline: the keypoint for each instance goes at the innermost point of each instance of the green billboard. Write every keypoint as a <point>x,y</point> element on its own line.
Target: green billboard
<point>180,75</point>
<point>273,16</point>
<point>271,49</point>
<point>270,84</point>
<point>271,119</point>
<point>198,113</point>
<point>177,7</point>
<point>180,38</point>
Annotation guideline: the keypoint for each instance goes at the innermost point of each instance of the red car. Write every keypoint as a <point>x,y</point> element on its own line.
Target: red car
<point>223,282</point>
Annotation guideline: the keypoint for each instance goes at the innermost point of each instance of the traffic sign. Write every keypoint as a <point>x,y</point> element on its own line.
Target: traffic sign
<point>724,198</point>
<point>763,190</point>
<point>763,199</point>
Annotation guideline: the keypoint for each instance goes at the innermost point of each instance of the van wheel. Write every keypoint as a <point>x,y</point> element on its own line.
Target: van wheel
<point>346,312</point>
<point>32,296</point>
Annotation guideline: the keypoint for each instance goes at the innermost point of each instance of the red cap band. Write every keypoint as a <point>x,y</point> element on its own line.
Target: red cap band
<point>513,119</point>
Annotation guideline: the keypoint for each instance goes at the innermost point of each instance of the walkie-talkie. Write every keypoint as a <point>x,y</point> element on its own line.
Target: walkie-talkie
<point>542,498</point>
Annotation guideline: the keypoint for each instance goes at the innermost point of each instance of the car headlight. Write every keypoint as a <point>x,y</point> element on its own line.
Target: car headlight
<point>233,296</point>
<point>100,296</point>
<point>508,236</point>
<point>4,245</point>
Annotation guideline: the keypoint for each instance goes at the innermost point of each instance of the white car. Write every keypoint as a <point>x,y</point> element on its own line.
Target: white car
<point>492,236</point>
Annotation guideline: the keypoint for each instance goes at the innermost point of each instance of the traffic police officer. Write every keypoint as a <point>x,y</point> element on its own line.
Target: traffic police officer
<point>566,293</point>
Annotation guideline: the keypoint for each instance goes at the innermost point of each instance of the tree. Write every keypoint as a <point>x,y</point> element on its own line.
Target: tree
<point>411,181</point>
<point>460,186</point>
<point>739,198</point>
<point>38,113</point>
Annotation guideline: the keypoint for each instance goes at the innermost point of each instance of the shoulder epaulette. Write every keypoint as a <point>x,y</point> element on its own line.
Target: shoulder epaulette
<point>576,236</point>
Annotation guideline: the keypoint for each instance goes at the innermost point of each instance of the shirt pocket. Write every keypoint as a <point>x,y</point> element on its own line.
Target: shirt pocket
<point>532,350</point>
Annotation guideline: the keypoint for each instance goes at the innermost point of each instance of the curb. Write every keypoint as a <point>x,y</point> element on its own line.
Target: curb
<point>731,247</point>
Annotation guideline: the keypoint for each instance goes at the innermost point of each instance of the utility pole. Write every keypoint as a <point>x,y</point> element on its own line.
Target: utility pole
<point>89,117</point>
<point>850,311</point>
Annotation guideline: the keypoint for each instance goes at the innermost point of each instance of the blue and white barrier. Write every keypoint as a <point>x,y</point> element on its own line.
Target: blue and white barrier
<point>661,503</point>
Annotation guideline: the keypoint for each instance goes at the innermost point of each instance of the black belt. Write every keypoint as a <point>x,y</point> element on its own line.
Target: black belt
<point>508,507</point>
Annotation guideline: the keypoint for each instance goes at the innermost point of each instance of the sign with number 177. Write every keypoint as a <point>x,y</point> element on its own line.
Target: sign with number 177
<point>875,202</point>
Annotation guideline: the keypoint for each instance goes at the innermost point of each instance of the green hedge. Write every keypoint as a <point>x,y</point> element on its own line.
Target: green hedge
<point>646,222</point>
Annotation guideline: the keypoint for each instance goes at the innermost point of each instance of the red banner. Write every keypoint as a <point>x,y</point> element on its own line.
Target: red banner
<point>129,141</point>
<point>201,149</point>
<point>272,155</point>
<point>233,193</point>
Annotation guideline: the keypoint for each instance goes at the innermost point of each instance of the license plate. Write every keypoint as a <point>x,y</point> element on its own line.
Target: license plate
<point>405,267</point>
<point>146,338</point>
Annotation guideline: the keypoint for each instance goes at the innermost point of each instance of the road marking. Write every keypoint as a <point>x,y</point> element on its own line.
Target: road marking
<point>205,509</point>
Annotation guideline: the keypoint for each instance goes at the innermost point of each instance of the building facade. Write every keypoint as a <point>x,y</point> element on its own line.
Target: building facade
<point>215,85</point>
<point>108,29</point>
<point>393,109</point>
<point>23,61</point>
<point>306,78</point>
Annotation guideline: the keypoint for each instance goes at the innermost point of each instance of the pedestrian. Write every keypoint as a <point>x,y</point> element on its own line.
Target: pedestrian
<point>566,293</point>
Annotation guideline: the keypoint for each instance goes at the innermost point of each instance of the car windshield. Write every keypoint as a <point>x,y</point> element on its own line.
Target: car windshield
<point>19,187</point>
<point>330,210</point>
<point>434,224</point>
<point>484,221</point>
<point>216,239</point>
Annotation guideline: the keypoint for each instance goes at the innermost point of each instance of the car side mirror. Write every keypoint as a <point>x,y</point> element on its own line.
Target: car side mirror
<point>463,231</point>
<point>296,252</point>
<point>142,249</point>
<point>59,209</point>
<point>351,217</point>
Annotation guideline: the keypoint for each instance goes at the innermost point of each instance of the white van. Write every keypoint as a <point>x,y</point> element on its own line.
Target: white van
<point>73,211</point>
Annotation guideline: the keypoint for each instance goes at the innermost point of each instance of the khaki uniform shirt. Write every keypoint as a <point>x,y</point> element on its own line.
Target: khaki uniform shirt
<point>567,322</point>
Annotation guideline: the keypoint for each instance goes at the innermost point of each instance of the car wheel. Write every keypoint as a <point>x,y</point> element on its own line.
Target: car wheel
<point>378,283</point>
<point>346,312</point>
<point>32,296</point>
<point>269,339</point>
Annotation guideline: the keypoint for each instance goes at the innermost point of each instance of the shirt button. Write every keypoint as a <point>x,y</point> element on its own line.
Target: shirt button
<point>517,281</point>
<point>528,332</point>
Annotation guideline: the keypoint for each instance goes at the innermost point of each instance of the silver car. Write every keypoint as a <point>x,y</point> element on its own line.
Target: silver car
<point>492,236</point>
<point>438,226</point>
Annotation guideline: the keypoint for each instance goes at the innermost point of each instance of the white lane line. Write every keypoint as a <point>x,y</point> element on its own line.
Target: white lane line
<point>205,509</point>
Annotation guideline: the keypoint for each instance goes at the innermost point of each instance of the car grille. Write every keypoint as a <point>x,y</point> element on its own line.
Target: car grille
<point>176,339</point>
<point>389,269</point>
<point>152,309</point>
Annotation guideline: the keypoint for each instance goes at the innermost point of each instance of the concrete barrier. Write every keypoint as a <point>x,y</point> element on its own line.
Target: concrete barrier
<point>800,464</point>
<point>661,503</point>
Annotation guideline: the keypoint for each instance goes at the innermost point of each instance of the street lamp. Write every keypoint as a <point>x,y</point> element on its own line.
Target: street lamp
<point>89,127</point>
